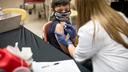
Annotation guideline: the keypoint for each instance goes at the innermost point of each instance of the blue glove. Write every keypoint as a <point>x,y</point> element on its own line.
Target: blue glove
<point>69,29</point>
<point>62,40</point>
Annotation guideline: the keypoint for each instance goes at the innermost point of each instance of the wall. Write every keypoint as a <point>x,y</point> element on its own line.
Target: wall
<point>10,3</point>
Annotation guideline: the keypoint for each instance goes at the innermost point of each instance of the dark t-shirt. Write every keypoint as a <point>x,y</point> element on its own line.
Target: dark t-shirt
<point>51,33</point>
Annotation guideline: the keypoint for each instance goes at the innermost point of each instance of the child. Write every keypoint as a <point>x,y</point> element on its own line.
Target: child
<point>61,30</point>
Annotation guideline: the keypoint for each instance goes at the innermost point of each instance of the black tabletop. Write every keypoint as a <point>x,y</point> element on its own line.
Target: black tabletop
<point>41,51</point>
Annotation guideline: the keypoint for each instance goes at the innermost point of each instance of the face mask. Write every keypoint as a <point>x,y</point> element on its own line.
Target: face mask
<point>62,16</point>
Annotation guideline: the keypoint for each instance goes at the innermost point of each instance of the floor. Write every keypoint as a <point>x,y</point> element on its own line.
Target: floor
<point>34,24</point>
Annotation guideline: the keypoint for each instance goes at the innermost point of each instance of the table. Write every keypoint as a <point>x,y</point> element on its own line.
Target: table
<point>41,50</point>
<point>9,21</point>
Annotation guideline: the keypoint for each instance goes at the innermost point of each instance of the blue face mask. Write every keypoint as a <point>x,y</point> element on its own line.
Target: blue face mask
<point>62,16</point>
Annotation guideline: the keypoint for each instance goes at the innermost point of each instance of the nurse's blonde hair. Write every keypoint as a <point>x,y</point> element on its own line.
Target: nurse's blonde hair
<point>110,20</point>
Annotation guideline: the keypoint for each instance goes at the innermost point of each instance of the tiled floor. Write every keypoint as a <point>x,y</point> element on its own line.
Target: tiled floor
<point>34,24</point>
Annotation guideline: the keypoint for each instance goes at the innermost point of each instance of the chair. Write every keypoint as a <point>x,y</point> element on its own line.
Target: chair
<point>22,12</point>
<point>45,31</point>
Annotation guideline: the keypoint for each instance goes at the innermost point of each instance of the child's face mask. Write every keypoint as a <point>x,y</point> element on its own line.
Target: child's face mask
<point>62,12</point>
<point>62,16</point>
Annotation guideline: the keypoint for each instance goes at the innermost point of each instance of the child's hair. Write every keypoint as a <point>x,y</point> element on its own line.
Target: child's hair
<point>56,3</point>
<point>59,2</point>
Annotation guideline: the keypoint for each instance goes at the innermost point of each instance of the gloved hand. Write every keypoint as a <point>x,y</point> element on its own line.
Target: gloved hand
<point>62,39</point>
<point>69,29</point>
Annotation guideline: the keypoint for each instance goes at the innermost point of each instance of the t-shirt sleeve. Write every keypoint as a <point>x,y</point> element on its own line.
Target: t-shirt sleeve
<point>85,48</point>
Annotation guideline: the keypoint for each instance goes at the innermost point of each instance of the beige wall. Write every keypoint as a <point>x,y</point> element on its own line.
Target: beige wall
<point>10,3</point>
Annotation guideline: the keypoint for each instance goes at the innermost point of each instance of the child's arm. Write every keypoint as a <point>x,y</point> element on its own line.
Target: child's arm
<point>61,38</point>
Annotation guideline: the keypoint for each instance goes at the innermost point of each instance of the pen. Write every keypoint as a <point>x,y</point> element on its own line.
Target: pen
<point>50,65</point>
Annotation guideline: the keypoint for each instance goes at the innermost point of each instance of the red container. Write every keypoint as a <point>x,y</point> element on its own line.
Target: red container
<point>9,61</point>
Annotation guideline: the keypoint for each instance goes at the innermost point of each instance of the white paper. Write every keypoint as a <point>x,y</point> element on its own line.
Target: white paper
<point>56,66</point>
